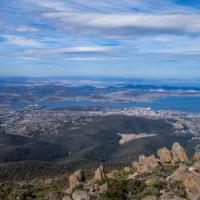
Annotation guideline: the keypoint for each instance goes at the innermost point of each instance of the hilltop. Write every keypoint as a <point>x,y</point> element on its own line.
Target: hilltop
<point>170,174</point>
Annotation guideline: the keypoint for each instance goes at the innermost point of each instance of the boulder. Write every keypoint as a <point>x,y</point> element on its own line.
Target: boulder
<point>177,175</point>
<point>99,174</point>
<point>196,156</point>
<point>153,180</point>
<point>127,169</point>
<point>191,182</point>
<point>190,179</point>
<point>80,195</point>
<point>113,175</point>
<point>164,155</point>
<point>76,178</point>
<point>196,165</point>
<point>103,188</point>
<point>141,159</point>
<point>147,165</point>
<point>48,181</point>
<point>179,153</point>
<point>93,190</point>
<point>135,165</point>
<point>132,176</point>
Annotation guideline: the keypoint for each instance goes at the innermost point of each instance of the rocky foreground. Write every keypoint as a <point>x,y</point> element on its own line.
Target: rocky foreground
<point>168,175</point>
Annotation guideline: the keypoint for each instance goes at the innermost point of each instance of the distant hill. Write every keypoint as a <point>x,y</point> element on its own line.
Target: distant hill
<point>15,148</point>
<point>90,144</point>
<point>164,87</point>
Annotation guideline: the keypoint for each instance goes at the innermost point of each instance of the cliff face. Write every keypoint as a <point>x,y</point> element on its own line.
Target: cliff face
<point>167,175</point>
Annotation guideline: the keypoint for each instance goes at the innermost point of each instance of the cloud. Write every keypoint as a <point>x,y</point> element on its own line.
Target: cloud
<point>23,28</point>
<point>60,32</point>
<point>125,24</point>
<point>21,41</point>
<point>111,6</point>
<point>76,50</point>
<point>83,49</point>
<point>150,6</point>
<point>43,52</point>
<point>96,58</point>
<point>54,5</point>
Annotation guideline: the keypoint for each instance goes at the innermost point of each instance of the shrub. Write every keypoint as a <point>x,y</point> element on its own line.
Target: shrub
<point>117,189</point>
<point>150,191</point>
<point>158,184</point>
<point>165,170</point>
<point>135,186</point>
<point>178,188</point>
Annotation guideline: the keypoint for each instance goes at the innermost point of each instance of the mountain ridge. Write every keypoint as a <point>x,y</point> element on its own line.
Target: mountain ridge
<point>166,175</point>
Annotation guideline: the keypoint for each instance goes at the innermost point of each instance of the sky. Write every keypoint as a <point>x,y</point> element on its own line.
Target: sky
<point>116,38</point>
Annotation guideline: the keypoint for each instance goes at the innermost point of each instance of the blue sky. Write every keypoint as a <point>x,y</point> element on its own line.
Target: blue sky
<point>129,38</point>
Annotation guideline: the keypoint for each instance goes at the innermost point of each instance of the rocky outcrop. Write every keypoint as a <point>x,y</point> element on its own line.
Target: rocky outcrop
<point>147,170</point>
<point>95,190</point>
<point>179,154</point>
<point>132,176</point>
<point>196,156</point>
<point>191,182</point>
<point>66,198</point>
<point>99,174</point>
<point>164,155</point>
<point>103,188</point>
<point>196,165</point>
<point>113,175</point>
<point>142,158</point>
<point>178,174</point>
<point>76,178</point>
<point>80,195</point>
<point>146,164</point>
<point>190,179</point>
<point>149,178</point>
<point>127,169</point>
<point>135,165</point>
<point>151,181</point>
<point>149,164</point>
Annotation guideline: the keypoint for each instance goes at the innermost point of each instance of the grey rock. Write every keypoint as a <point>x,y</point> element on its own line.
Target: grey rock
<point>80,195</point>
<point>66,198</point>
